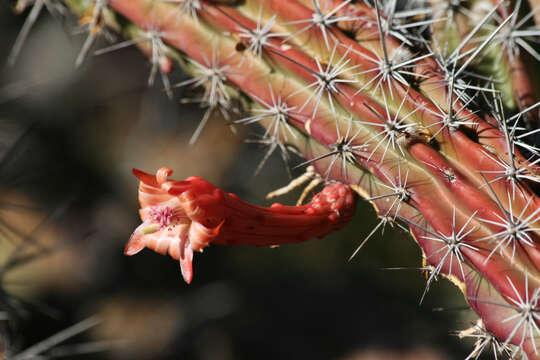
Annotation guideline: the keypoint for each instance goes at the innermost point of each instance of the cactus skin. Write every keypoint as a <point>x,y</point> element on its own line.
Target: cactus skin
<point>393,126</point>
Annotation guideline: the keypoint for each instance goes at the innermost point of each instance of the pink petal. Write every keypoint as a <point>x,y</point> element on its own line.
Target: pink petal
<point>186,264</point>
<point>136,242</point>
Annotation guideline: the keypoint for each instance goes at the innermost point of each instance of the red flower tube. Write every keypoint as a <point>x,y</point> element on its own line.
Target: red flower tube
<point>180,217</point>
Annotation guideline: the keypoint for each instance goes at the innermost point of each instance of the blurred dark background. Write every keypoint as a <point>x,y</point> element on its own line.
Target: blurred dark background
<point>68,203</point>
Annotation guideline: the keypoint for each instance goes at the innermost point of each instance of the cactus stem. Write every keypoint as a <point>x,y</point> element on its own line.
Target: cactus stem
<point>400,192</point>
<point>525,314</point>
<point>190,7</point>
<point>452,248</point>
<point>386,71</point>
<point>327,80</point>
<point>343,148</point>
<point>451,120</point>
<point>393,129</point>
<point>322,21</point>
<point>277,110</point>
<point>258,38</point>
<point>515,229</point>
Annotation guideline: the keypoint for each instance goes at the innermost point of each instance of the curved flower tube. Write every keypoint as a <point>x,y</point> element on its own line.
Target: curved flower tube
<point>180,217</point>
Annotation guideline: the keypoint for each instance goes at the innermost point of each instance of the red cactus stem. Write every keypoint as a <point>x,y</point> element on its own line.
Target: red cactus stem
<point>180,217</point>
<point>429,70</point>
<point>350,100</point>
<point>498,318</point>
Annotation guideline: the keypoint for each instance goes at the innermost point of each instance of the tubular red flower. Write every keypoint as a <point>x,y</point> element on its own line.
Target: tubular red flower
<point>179,217</point>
